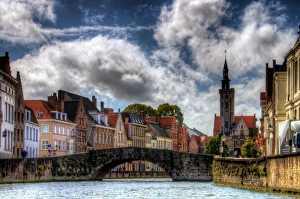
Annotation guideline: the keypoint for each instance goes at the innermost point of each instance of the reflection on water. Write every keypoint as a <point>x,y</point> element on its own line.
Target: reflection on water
<point>126,188</point>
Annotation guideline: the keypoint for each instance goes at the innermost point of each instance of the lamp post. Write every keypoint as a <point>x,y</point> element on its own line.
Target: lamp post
<point>270,139</point>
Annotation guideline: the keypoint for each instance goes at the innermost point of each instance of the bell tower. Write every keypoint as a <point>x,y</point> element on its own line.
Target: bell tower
<point>226,103</point>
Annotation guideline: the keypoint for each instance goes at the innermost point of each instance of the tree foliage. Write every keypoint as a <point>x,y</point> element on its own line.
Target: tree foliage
<point>138,108</point>
<point>170,110</point>
<point>162,110</point>
<point>212,147</point>
<point>248,149</point>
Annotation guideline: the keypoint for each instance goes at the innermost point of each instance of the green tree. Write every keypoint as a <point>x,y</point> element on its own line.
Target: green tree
<point>138,108</point>
<point>212,147</point>
<point>248,149</point>
<point>170,110</point>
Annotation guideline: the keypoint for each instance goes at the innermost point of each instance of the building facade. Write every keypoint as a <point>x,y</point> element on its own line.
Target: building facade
<point>31,134</point>
<point>7,108</point>
<point>56,135</point>
<point>19,119</point>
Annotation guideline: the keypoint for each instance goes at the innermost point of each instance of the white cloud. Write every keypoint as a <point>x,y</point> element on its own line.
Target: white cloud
<point>197,26</point>
<point>16,20</point>
<point>78,65</point>
<point>119,70</point>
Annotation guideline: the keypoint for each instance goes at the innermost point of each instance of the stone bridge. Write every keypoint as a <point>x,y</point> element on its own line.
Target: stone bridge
<point>95,164</point>
<point>180,166</point>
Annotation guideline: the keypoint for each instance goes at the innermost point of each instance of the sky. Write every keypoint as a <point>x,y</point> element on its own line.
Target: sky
<point>149,51</point>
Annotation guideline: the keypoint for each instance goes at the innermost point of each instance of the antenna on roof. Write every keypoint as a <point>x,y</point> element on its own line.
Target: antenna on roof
<point>299,30</point>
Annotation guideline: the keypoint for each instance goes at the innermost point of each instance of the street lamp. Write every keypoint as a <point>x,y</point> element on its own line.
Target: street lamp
<point>270,137</point>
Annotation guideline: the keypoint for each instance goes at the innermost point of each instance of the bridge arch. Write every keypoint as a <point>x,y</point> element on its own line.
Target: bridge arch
<point>180,166</point>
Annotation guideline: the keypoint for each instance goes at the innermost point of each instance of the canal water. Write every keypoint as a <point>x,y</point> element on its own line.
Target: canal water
<point>127,188</point>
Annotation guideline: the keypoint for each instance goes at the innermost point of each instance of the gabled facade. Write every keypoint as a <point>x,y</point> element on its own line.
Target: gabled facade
<point>194,146</point>
<point>243,126</point>
<point>19,119</point>
<point>56,132</point>
<point>7,108</point>
<point>120,136</point>
<point>92,129</point>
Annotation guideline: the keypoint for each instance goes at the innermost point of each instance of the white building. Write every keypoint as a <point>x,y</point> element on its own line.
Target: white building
<point>32,134</point>
<point>7,108</point>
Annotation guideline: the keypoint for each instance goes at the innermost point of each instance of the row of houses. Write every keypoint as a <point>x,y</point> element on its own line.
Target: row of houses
<point>68,123</point>
<point>280,102</point>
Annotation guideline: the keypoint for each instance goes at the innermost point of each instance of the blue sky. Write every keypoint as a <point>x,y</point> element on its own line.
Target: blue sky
<point>148,51</point>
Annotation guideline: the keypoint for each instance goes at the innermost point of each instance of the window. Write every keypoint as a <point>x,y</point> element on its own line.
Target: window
<point>36,135</point>
<point>68,146</point>
<point>45,128</point>
<point>45,144</point>
<point>27,132</point>
<point>39,114</point>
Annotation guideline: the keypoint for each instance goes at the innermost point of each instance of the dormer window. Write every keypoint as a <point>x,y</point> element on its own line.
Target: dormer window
<point>59,115</point>
<point>39,114</point>
<point>28,118</point>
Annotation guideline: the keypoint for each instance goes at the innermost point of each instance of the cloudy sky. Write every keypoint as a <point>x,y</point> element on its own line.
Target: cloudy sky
<point>148,51</point>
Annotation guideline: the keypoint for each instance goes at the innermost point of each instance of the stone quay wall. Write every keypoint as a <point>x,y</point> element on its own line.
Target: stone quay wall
<point>272,173</point>
<point>73,167</point>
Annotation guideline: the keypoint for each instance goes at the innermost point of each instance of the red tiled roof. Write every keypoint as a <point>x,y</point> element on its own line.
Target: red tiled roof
<point>43,107</point>
<point>217,125</point>
<point>112,119</point>
<point>40,106</point>
<point>249,120</point>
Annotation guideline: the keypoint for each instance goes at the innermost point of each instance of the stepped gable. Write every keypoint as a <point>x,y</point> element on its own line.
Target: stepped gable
<point>88,104</point>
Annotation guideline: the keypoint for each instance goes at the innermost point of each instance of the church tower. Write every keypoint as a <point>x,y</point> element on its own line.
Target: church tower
<point>226,103</point>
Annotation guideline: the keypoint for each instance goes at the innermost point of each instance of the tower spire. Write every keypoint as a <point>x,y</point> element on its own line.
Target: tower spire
<point>225,80</point>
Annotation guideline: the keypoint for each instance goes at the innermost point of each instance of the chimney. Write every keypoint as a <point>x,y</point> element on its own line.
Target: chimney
<point>142,115</point>
<point>5,64</point>
<point>158,119</point>
<point>102,106</point>
<point>52,100</point>
<point>94,101</point>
